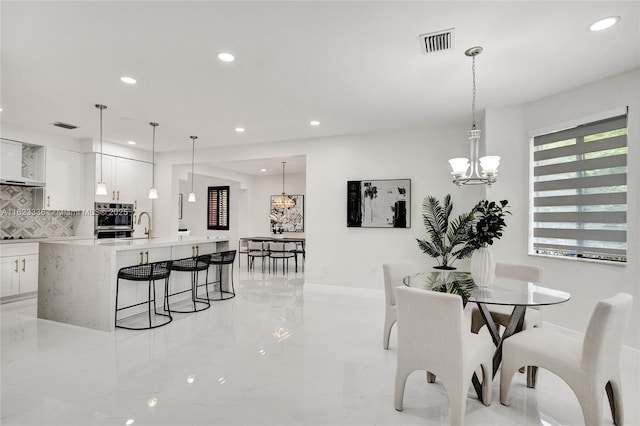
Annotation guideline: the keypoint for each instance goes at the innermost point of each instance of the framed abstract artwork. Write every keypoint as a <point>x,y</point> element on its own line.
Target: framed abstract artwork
<point>379,203</point>
<point>290,219</point>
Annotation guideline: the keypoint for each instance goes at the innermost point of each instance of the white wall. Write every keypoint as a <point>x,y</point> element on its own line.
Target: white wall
<point>508,131</point>
<point>21,134</point>
<point>352,257</point>
<point>339,255</point>
<point>260,194</point>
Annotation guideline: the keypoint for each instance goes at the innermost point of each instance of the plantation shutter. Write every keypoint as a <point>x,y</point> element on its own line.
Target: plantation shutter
<point>218,208</point>
<point>580,191</point>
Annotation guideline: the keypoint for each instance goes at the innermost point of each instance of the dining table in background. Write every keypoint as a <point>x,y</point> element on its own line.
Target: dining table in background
<point>279,239</point>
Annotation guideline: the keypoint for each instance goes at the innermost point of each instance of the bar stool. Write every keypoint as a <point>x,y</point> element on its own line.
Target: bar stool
<point>219,259</point>
<point>193,265</point>
<point>150,272</point>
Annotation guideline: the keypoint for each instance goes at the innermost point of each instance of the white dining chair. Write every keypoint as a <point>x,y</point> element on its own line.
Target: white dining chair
<point>501,314</point>
<point>243,248</point>
<point>433,336</point>
<point>393,273</point>
<point>258,249</point>
<point>588,366</point>
<point>283,252</point>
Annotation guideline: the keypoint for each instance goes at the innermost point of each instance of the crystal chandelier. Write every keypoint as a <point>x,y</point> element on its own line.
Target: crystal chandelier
<point>283,202</point>
<point>484,170</point>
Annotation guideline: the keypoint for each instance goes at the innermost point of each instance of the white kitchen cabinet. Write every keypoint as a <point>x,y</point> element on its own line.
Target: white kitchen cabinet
<point>184,251</point>
<point>19,269</point>
<point>64,177</point>
<point>128,181</point>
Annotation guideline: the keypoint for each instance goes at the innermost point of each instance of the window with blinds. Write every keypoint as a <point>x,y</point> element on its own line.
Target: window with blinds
<point>580,191</point>
<point>218,208</point>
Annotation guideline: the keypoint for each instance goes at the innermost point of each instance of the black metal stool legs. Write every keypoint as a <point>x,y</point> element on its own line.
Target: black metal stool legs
<point>150,272</point>
<point>193,265</point>
<point>219,259</point>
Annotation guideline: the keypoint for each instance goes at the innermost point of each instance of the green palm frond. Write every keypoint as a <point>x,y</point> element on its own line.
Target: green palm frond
<point>432,215</point>
<point>445,235</point>
<point>429,248</point>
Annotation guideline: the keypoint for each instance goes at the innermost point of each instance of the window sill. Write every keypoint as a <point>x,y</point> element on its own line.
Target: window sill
<point>580,259</point>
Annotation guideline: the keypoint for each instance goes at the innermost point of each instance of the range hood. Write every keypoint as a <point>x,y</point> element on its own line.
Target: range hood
<point>11,166</point>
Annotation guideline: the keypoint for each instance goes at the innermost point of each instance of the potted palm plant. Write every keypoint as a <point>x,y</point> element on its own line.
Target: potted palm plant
<point>448,238</point>
<point>488,226</point>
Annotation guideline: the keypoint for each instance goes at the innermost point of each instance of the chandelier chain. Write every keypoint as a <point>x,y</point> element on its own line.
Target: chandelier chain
<point>473,102</point>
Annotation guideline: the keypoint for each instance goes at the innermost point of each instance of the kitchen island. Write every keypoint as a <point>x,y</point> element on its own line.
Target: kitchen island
<point>77,278</point>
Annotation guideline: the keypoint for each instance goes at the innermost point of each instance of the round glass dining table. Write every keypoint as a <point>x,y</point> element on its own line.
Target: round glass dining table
<point>503,291</point>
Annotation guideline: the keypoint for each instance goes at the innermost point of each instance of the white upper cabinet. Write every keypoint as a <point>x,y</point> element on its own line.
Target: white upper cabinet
<point>128,181</point>
<point>64,172</point>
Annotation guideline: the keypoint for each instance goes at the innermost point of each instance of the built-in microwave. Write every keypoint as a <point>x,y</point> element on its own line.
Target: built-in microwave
<point>113,219</point>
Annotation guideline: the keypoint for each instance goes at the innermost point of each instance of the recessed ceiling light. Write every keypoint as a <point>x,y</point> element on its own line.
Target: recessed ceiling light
<point>226,57</point>
<point>314,123</point>
<point>128,80</point>
<point>263,170</point>
<point>239,129</point>
<point>0,109</point>
<point>131,142</point>
<point>604,23</point>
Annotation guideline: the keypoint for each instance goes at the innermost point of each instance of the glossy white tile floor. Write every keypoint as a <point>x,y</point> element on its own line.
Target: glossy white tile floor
<point>279,353</point>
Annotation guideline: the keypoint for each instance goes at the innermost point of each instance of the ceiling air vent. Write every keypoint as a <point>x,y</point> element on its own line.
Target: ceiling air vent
<point>438,41</point>
<point>64,125</point>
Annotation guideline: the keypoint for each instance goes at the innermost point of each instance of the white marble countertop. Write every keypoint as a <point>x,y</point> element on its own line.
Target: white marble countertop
<point>78,278</point>
<point>137,243</point>
<point>45,239</point>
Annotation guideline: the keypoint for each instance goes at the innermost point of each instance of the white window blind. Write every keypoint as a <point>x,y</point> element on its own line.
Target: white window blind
<point>580,191</point>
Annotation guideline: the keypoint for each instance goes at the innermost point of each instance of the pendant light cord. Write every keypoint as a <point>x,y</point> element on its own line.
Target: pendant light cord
<point>283,163</point>
<point>153,156</point>
<point>101,108</point>
<point>193,151</point>
<point>101,145</point>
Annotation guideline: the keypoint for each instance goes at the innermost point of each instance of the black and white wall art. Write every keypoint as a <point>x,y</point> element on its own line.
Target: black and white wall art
<point>379,203</point>
<point>287,220</point>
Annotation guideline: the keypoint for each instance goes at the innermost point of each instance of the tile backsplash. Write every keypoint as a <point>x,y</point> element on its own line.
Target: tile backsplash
<point>19,218</point>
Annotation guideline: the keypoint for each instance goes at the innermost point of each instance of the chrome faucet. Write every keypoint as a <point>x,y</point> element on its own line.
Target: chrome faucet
<point>146,232</point>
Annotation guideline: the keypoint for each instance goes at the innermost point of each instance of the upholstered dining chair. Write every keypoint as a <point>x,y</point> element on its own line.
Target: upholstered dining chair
<point>258,249</point>
<point>588,366</point>
<point>393,273</point>
<point>243,248</point>
<point>502,314</point>
<point>284,252</point>
<point>433,336</point>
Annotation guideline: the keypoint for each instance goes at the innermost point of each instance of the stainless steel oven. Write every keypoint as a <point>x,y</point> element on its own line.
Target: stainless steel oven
<point>113,220</point>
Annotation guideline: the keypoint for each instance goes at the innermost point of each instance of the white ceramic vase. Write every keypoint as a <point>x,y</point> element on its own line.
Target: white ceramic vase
<point>482,267</point>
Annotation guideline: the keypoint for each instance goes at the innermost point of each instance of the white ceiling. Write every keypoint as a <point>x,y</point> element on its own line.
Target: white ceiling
<point>355,66</point>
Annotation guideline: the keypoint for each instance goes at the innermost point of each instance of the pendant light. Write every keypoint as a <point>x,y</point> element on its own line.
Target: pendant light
<point>192,195</point>
<point>101,189</point>
<point>283,201</point>
<point>489,164</point>
<point>153,192</point>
